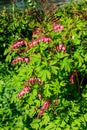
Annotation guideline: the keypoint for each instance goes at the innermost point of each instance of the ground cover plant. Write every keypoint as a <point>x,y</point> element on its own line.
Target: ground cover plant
<point>43,75</point>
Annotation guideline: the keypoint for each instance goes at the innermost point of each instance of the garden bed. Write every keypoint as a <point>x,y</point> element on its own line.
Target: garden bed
<point>43,68</point>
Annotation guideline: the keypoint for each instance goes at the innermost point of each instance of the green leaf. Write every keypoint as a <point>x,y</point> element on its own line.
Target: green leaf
<point>66,64</point>
<point>45,119</point>
<point>51,126</point>
<point>54,69</point>
<point>55,86</point>
<point>85,57</point>
<point>85,116</point>
<point>59,14</point>
<point>8,58</point>
<point>44,75</point>
<point>47,92</point>
<point>79,58</point>
<point>35,124</point>
<point>76,40</point>
<point>63,123</point>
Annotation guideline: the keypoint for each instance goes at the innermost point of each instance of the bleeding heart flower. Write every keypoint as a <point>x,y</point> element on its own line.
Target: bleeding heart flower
<point>72,77</point>
<point>20,59</point>
<point>24,91</point>
<point>46,105</point>
<point>40,113</point>
<point>43,108</point>
<point>61,47</point>
<point>38,40</point>
<point>27,89</point>
<point>58,27</point>
<point>32,80</point>
<point>21,94</point>
<point>40,96</point>
<point>19,43</point>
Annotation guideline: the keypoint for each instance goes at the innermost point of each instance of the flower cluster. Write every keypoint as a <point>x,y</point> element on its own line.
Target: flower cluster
<point>19,43</point>
<point>32,81</point>
<point>27,89</point>
<point>61,47</point>
<point>72,81</point>
<point>24,91</point>
<point>40,39</point>
<point>43,108</point>
<point>20,59</point>
<point>58,27</point>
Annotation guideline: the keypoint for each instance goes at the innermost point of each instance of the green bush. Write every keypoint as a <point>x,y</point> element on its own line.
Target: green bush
<point>46,88</point>
<point>14,26</point>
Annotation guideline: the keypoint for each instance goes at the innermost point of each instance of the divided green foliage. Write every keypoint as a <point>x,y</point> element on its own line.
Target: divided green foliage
<point>45,87</point>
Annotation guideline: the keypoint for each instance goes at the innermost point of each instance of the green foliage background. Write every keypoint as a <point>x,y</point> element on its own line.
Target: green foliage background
<point>52,67</point>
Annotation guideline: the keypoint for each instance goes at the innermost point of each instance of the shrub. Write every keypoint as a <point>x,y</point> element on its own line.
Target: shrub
<point>48,86</point>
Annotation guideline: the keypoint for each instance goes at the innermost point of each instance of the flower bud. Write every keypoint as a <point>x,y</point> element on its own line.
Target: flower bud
<point>40,96</point>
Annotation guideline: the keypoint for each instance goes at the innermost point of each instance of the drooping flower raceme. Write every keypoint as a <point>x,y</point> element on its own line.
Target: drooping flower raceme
<point>43,108</point>
<point>38,40</point>
<point>45,39</point>
<point>72,81</point>
<point>23,92</point>
<point>45,105</point>
<point>20,59</point>
<point>17,44</point>
<point>61,47</point>
<point>32,81</point>
<point>58,27</point>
